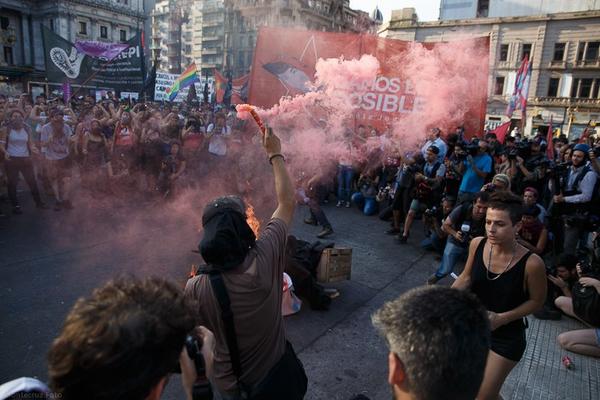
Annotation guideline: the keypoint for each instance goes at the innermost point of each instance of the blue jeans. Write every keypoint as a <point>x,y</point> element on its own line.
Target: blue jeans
<point>367,204</point>
<point>433,242</point>
<point>344,178</point>
<point>452,253</point>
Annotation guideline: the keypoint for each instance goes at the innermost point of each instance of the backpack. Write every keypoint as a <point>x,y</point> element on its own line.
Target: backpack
<point>586,304</point>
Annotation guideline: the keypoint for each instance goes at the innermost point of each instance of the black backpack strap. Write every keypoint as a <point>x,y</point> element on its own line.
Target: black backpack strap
<point>218,286</point>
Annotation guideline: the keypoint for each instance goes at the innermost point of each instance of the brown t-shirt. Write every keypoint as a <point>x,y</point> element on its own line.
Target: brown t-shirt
<point>255,290</point>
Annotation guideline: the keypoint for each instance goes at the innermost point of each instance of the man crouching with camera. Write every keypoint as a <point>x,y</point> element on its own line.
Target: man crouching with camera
<point>125,340</point>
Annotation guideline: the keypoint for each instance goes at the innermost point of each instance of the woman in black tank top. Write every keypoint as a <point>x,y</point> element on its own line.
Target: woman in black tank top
<point>510,281</point>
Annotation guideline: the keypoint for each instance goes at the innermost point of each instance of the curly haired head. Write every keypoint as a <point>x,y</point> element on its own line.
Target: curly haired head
<point>121,341</point>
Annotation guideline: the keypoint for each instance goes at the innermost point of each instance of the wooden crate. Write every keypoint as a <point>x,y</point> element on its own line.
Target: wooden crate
<point>335,265</point>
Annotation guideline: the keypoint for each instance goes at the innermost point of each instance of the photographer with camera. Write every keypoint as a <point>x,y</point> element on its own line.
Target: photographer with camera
<point>475,169</point>
<point>531,163</point>
<point>585,306</point>
<point>405,182</point>
<point>561,279</point>
<point>125,340</point>
<point>238,295</point>
<point>453,175</point>
<point>433,219</point>
<point>465,222</point>
<point>574,199</point>
<point>428,183</point>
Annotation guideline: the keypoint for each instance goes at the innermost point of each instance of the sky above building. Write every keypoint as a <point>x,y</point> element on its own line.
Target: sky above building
<point>427,10</point>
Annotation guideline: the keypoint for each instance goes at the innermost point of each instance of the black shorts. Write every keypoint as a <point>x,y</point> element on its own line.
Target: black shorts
<point>511,346</point>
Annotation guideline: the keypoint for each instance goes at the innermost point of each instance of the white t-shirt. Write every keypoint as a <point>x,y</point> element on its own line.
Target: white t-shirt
<point>17,143</point>
<point>217,144</point>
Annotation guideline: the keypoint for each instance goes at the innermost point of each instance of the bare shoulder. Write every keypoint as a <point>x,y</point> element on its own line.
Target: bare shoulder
<point>475,243</point>
<point>535,265</point>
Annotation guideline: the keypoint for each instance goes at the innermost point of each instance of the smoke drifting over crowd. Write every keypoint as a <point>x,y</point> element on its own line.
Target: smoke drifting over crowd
<point>433,87</point>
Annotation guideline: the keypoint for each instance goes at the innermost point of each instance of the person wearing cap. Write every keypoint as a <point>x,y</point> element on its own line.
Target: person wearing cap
<point>252,355</point>
<point>531,171</point>
<point>574,199</point>
<point>56,141</point>
<point>434,139</point>
<point>428,183</point>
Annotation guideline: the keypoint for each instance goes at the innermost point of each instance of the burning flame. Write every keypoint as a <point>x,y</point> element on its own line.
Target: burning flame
<point>251,219</point>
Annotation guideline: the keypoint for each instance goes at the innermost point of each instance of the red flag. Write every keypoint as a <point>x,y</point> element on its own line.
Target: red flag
<point>220,86</point>
<point>586,133</point>
<point>239,90</point>
<point>549,144</point>
<point>501,131</point>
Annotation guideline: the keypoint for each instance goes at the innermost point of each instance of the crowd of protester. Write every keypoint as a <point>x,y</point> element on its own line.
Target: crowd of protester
<point>110,147</point>
<point>513,209</point>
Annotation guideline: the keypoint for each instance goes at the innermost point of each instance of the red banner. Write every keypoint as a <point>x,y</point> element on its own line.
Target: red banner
<point>285,59</point>
<point>239,90</point>
<point>220,86</point>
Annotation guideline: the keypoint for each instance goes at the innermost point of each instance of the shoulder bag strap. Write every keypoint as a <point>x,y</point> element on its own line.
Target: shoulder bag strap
<point>218,286</point>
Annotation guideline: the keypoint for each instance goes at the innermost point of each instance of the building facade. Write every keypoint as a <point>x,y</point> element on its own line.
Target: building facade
<point>22,62</point>
<point>243,18</point>
<point>565,52</point>
<point>465,9</point>
<point>221,34</point>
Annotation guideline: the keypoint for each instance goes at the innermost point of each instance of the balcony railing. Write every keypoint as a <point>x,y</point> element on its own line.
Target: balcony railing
<point>568,102</point>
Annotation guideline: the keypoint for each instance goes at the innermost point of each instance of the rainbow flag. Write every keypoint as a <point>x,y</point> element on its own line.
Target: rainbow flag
<point>187,78</point>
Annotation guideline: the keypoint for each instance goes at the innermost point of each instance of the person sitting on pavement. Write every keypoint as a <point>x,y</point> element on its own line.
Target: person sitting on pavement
<point>438,342</point>
<point>124,341</point>
<point>582,341</point>
<point>465,222</point>
<point>238,295</point>
<point>561,279</point>
<point>365,198</point>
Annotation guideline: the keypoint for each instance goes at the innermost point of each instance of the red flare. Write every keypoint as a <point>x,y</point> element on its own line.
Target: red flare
<point>247,108</point>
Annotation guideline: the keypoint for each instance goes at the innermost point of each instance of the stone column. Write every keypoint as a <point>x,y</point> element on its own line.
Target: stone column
<point>26,40</point>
